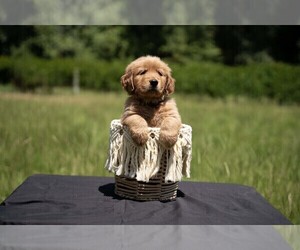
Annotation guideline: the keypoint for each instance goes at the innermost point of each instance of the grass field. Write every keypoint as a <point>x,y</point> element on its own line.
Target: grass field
<point>255,143</point>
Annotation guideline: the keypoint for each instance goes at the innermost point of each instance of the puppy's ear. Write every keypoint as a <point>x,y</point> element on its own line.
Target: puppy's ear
<point>170,84</point>
<point>127,82</point>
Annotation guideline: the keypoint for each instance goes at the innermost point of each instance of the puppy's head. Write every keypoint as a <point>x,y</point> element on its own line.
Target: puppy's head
<point>148,77</point>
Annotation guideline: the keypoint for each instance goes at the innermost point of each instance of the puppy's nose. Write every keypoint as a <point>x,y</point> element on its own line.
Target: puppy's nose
<point>153,83</point>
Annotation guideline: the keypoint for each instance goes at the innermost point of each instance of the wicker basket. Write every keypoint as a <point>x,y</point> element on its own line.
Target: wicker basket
<point>155,189</point>
<point>132,179</point>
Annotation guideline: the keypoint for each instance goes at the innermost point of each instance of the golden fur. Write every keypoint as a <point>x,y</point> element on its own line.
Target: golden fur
<point>148,81</point>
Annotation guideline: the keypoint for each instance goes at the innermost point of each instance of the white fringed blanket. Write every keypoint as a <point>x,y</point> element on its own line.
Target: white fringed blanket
<point>142,163</point>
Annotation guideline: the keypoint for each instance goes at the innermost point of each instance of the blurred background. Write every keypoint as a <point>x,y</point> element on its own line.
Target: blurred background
<point>266,58</point>
<point>237,86</point>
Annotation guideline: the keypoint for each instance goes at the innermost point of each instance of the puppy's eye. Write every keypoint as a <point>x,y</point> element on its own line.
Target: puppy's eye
<point>142,72</point>
<point>160,73</point>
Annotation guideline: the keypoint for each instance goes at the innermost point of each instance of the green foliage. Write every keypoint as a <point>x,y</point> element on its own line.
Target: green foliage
<point>29,73</point>
<point>105,43</point>
<point>52,42</point>
<point>232,45</point>
<point>277,81</point>
<point>191,43</point>
<point>6,69</point>
<point>248,44</point>
<point>272,80</point>
<point>101,75</point>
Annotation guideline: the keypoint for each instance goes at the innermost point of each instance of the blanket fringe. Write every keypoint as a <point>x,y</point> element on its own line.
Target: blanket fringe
<point>127,159</point>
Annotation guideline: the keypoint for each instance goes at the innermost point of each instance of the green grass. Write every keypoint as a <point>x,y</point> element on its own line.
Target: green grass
<point>254,143</point>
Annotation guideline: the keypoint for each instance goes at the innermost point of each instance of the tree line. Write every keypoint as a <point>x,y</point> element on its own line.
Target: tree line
<point>231,45</point>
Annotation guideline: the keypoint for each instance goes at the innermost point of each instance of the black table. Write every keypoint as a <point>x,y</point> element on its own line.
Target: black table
<point>173,237</point>
<point>79,200</point>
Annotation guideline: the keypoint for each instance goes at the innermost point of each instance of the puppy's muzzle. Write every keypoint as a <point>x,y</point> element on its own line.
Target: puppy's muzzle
<point>153,83</point>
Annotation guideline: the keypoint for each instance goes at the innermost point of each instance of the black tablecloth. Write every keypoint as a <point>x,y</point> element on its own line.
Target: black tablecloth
<point>137,237</point>
<point>54,200</point>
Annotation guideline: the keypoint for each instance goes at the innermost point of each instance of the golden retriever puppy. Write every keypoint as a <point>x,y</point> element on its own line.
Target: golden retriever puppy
<point>149,83</point>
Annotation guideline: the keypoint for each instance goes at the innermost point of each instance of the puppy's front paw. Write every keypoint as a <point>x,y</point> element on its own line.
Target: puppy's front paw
<point>140,136</point>
<point>167,139</point>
